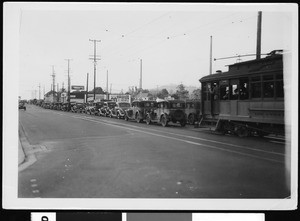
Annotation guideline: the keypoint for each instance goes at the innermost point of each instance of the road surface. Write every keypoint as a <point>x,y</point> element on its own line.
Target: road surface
<point>86,156</point>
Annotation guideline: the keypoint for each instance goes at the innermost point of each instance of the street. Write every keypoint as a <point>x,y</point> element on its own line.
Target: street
<point>86,156</point>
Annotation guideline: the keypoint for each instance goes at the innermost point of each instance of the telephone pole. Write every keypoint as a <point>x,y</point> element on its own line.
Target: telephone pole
<point>95,63</point>
<point>210,56</point>
<point>69,87</point>
<point>141,73</point>
<point>107,84</point>
<point>87,87</point>
<point>53,78</point>
<point>39,86</point>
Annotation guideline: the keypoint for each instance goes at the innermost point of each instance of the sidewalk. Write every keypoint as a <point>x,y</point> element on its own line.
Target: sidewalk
<point>21,153</point>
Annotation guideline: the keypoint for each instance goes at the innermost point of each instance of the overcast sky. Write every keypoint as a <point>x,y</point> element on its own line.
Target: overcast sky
<point>173,42</point>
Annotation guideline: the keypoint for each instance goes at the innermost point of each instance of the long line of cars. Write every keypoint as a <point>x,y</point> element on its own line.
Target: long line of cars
<point>163,112</point>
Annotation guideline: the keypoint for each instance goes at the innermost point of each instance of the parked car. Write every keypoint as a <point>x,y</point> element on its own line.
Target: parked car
<point>168,111</point>
<point>22,106</point>
<point>107,106</point>
<point>95,108</point>
<point>192,111</point>
<point>139,110</point>
<point>77,108</point>
<point>57,106</point>
<point>88,107</point>
<point>64,106</point>
<point>119,110</point>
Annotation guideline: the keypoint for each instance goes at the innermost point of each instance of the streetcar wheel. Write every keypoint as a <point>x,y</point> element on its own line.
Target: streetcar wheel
<point>242,132</point>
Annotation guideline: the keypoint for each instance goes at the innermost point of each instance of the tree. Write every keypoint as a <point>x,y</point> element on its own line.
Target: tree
<point>182,92</point>
<point>98,90</point>
<point>163,93</point>
<point>196,94</point>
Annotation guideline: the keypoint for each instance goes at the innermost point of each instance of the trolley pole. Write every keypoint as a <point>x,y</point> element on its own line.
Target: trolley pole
<point>95,63</point>
<point>258,43</point>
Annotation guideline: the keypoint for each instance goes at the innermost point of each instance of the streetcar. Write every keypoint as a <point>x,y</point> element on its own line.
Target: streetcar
<point>246,100</point>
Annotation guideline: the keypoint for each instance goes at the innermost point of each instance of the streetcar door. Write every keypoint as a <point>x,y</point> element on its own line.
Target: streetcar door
<point>210,98</point>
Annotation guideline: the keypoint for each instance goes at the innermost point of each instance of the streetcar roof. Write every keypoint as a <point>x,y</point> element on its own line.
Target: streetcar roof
<point>248,68</point>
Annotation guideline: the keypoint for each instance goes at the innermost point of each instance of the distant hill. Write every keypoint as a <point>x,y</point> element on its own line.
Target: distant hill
<point>172,88</point>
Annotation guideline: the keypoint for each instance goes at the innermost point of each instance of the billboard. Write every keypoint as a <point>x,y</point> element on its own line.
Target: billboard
<point>77,87</point>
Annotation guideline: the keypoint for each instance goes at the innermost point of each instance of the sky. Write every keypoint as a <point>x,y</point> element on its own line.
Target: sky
<point>171,40</point>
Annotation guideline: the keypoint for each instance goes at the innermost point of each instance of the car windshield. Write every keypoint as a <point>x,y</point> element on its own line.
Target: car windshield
<point>124,104</point>
<point>150,104</point>
<point>112,105</point>
<point>177,105</point>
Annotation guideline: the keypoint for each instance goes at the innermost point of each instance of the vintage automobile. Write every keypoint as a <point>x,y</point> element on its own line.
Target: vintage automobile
<point>119,110</point>
<point>139,110</point>
<point>46,105</point>
<point>65,107</point>
<point>95,108</point>
<point>22,105</point>
<point>77,108</point>
<point>88,107</point>
<point>57,106</point>
<point>107,106</point>
<point>192,111</point>
<point>168,111</point>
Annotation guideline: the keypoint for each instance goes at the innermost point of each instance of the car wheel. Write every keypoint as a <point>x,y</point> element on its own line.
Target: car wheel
<point>148,119</point>
<point>138,118</point>
<point>191,119</point>
<point>183,123</point>
<point>164,121</point>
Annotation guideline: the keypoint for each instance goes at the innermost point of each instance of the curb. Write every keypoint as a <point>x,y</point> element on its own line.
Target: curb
<point>26,152</point>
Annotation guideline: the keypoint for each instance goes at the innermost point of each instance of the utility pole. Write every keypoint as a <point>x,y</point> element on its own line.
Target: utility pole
<point>210,56</point>
<point>39,91</point>
<point>53,79</point>
<point>87,87</point>
<point>69,86</point>
<point>110,88</point>
<point>141,73</point>
<point>258,43</point>
<point>107,84</point>
<point>95,63</point>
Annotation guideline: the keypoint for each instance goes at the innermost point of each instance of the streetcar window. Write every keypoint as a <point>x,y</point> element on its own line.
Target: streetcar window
<point>205,91</point>
<point>215,91</point>
<point>268,86</point>
<point>224,92</point>
<point>256,90</point>
<point>234,91</point>
<point>279,86</point>
<point>279,89</point>
<point>244,88</point>
<point>268,89</point>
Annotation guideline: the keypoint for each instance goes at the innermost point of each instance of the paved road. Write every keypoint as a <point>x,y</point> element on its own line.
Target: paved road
<point>85,156</point>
